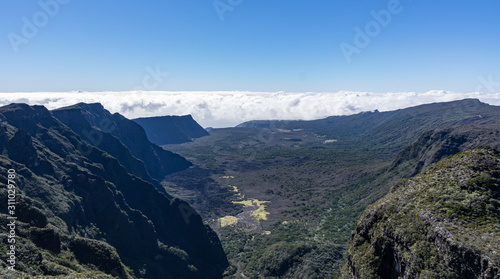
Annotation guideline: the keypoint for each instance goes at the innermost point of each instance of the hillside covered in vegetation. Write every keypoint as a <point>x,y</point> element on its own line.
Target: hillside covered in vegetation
<point>81,214</point>
<point>285,196</point>
<point>443,223</point>
<point>276,199</point>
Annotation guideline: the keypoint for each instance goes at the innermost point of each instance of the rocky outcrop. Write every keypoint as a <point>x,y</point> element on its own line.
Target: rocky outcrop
<point>122,138</point>
<point>443,223</point>
<point>76,117</point>
<point>80,210</point>
<point>171,129</point>
<point>436,145</point>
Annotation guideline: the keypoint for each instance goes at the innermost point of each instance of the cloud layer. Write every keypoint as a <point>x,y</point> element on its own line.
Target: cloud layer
<point>226,109</point>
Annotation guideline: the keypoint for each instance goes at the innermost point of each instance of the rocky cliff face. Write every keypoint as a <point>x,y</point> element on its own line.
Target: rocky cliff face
<point>76,117</point>
<point>171,129</point>
<point>80,211</point>
<point>443,223</point>
<point>436,145</point>
<point>100,128</point>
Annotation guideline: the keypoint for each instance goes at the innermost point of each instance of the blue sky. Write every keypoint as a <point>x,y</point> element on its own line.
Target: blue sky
<point>257,45</point>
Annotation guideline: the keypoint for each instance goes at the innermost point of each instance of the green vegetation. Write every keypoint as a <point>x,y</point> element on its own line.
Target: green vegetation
<point>295,188</point>
<point>317,188</point>
<point>312,192</point>
<point>80,213</point>
<point>442,223</point>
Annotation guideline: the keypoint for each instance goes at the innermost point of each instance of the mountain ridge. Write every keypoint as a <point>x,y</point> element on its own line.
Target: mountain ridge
<point>116,217</point>
<point>164,130</point>
<point>392,130</point>
<point>319,176</point>
<point>101,124</point>
<point>315,179</point>
<point>440,223</point>
<point>76,117</point>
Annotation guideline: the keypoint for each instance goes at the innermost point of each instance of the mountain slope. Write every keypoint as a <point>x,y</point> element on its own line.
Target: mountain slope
<point>76,117</point>
<point>442,223</point>
<point>317,178</point>
<point>171,129</point>
<point>392,131</point>
<point>81,209</point>
<point>435,145</point>
<point>157,161</point>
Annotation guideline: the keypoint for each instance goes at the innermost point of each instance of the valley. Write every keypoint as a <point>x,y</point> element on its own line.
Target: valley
<point>316,176</point>
<point>266,199</point>
<point>233,139</point>
<point>304,183</point>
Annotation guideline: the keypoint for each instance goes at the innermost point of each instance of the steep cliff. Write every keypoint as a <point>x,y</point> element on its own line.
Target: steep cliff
<point>80,211</point>
<point>171,129</point>
<point>434,145</point>
<point>100,128</point>
<point>443,223</point>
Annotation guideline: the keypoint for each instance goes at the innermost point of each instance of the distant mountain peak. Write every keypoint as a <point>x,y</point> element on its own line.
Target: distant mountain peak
<point>171,129</point>
<point>82,105</point>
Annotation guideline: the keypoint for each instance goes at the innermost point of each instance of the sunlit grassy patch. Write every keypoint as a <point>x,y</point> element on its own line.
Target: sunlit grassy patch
<point>245,203</point>
<point>228,221</point>
<point>260,213</point>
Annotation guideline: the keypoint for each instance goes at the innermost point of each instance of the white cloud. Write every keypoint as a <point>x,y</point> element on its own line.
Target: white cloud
<point>224,109</point>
